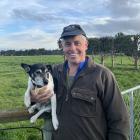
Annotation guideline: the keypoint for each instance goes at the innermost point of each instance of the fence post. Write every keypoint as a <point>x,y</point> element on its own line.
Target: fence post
<point>131,116</point>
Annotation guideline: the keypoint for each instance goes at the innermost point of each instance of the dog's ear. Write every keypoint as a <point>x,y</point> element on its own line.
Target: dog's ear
<point>26,67</point>
<point>49,68</point>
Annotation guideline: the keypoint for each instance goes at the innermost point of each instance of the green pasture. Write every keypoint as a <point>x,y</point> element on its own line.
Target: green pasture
<point>13,79</point>
<point>13,82</point>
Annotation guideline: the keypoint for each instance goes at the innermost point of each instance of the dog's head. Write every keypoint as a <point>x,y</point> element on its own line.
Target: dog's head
<point>40,74</point>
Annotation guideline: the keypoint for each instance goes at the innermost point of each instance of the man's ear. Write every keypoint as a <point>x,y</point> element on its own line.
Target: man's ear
<point>86,44</point>
<point>26,67</point>
<point>49,68</point>
<point>59,42</point>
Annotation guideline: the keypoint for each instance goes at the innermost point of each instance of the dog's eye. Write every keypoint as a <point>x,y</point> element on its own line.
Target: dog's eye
<point>46,70</point>
<point>38,72</point>
<point>47,75</point>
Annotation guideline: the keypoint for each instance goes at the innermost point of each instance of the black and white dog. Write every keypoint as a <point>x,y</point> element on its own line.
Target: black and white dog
<point>40,75</point>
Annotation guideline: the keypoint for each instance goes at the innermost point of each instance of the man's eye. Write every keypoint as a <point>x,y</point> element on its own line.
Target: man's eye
<point>46,70</point>
<point>67,44</point>
<point>77,43</point>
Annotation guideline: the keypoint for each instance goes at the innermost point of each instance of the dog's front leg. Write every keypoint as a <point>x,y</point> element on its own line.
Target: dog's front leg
<point>54,116</point>
<point>32,108</point>
<point>34,118</point>
<point>27,98</point>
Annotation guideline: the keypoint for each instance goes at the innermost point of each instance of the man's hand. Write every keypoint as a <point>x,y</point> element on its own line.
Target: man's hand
<point>41,95</point>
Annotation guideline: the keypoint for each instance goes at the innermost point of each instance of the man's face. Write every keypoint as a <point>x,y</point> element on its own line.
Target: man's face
<point>75,49</point>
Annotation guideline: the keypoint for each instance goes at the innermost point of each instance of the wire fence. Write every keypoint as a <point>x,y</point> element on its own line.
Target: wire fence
<point>132,100</point>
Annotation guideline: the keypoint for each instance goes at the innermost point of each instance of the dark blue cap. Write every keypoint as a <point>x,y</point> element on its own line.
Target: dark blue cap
<point>72,30</point>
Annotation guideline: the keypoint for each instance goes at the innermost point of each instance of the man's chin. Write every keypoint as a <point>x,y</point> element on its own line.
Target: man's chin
<point>74,62</point>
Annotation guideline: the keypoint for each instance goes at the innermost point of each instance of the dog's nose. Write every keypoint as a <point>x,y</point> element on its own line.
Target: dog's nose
<point>45,82</point>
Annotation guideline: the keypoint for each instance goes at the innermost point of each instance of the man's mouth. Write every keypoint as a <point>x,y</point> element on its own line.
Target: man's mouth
<point>72,54</point>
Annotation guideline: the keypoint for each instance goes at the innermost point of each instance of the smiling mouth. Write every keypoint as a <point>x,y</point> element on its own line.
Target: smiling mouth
<point>72,54</point>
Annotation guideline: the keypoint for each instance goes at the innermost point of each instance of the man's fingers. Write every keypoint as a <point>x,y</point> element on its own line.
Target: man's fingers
<point>45,99</point>
<point>44,95</point>
<point>41,97</point>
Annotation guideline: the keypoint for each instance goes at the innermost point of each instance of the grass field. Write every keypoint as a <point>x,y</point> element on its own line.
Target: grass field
<point>13,80</point>
<point>13,83</point>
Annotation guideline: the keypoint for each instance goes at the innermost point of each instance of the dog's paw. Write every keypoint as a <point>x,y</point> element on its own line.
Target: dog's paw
<point>55,123</point>
<point>33,119</point>
<point>30,110</point>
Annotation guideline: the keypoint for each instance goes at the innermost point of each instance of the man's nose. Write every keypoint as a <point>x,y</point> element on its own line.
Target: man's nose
<point>73,46</point>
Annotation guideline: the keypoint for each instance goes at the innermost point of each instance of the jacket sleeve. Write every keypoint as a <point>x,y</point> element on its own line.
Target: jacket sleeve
<point>115,108</point>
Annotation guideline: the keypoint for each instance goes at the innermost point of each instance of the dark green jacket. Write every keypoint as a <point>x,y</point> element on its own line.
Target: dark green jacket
<point>93,109</point>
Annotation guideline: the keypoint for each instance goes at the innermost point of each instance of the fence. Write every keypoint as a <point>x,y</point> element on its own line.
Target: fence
<point>21,133</point>
<point>26,132</point>
<point>131,98</point>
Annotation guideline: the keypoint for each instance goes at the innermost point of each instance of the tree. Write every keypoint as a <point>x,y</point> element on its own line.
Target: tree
<point>136,52</point>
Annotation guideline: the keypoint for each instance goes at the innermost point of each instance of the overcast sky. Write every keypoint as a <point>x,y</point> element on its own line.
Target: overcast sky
<point>26,24</point>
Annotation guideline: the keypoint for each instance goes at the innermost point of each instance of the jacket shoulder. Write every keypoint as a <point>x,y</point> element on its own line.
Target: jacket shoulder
<point>102,68</point>
<point>57,67</point>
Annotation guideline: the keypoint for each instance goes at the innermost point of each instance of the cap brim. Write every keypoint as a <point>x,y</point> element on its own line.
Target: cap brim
<point>73,33</point>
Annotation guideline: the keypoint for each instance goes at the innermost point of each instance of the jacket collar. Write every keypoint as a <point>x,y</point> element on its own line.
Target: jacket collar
<point>88,68</point>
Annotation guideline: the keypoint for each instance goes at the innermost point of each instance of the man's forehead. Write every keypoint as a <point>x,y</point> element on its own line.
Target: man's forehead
<point>74,38</point>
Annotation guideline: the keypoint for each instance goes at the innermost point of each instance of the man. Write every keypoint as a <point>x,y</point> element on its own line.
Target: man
<point>89,102</point>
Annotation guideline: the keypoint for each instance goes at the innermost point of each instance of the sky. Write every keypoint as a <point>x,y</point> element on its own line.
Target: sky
<point>33,24</point>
